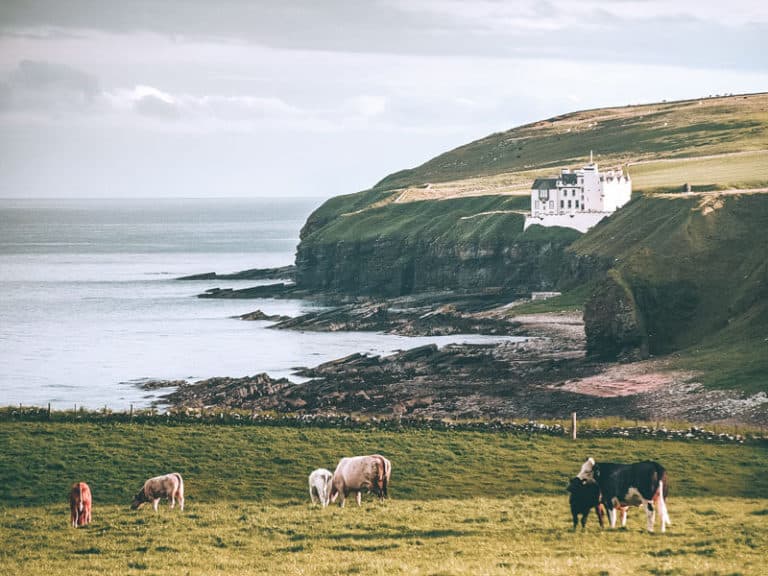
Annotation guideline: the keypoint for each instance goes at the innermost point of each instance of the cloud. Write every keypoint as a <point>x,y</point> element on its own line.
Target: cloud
<point>49,88</point>
<point>683,32</point>
<point>53,77</point>
<point>156,107</point>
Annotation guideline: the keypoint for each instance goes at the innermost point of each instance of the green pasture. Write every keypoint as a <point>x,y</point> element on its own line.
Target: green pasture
<point>462,503</point>
<point>739,171</point>
<point>484,534</point>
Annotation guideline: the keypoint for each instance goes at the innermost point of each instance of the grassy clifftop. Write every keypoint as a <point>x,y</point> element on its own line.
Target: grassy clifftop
<point>692,128</point>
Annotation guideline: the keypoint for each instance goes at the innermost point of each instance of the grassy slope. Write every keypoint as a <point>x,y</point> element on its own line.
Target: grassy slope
<point>698,270</point>
<point>38,461</point>
<point>617,135</point>
<point>737,171</point>
<point>462,503</point>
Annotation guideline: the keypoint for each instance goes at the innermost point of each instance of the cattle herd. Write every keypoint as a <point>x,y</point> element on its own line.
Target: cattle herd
<point>604,485</point>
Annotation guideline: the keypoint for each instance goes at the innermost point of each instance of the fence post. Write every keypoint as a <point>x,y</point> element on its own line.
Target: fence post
<point>49,410</point>
<point>131,413</point>
<point>573,425</point>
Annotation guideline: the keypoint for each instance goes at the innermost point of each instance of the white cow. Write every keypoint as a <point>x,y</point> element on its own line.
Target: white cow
<point>320,486</point>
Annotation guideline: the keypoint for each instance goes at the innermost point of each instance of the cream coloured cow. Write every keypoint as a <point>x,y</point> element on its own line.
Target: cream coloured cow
<point>360,473</point>
<point>320,486</point>
<point>170,486</point>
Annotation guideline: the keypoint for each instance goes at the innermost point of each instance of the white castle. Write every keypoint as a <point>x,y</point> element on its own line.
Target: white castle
<point>578,199</point>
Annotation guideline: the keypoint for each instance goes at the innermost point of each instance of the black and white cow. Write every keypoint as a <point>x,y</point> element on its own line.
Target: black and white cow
<point>621,485</point>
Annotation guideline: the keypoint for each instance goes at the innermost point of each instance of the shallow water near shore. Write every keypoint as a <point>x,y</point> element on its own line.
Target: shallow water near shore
<point>90,305</point>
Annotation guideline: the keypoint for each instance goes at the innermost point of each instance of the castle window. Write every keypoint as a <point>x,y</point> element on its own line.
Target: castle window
<point>562,203</point>
<point>577,203</point>
<point>569,203</point>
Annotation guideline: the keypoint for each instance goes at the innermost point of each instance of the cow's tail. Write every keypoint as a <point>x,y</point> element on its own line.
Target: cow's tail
<point>180,490</point>
<point>387,474</point>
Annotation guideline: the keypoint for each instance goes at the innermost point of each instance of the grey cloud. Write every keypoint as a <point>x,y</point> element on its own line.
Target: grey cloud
<point>48,87</point>
<point>45,76</point>
<point>384,26</point>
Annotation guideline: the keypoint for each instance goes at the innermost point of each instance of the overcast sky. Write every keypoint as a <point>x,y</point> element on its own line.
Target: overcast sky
<point>191,98</point>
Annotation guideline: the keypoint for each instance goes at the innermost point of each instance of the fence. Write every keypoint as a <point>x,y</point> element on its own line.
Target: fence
<point>590,428</point>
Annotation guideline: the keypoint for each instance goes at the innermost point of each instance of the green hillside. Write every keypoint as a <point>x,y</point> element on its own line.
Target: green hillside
<point>697,269</point>
<point>691,128</point>
<point>668,273</point>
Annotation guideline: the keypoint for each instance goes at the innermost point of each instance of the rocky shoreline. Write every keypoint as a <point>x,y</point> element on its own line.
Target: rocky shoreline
<point>546,376</point>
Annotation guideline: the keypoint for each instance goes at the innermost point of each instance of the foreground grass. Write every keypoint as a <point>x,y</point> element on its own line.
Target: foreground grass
<point>463,503</point>
<point>512,535</point>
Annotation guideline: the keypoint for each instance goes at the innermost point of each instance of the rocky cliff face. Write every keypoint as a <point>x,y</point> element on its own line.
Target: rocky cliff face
<point>399,266</point>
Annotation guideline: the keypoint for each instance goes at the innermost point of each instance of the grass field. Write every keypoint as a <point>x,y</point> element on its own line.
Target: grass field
<point>739,171</point>
<point>462,503</point>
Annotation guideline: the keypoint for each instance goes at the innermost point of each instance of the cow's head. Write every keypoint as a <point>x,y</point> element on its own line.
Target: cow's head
<point>139,499</point>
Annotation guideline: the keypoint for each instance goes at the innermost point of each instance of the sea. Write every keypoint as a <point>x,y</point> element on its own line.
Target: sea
<point>91,305</point>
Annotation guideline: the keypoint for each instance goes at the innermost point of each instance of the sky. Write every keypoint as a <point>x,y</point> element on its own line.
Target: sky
<point>297,98</point>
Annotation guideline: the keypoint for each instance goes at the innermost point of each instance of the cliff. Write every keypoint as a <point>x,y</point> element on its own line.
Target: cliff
<point>466,244</point>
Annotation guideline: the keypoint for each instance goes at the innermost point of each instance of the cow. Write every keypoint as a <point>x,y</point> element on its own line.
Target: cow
<point>80,504</point>
<point>170,486</point>
<point>320,486</point>
<point>623,485</point>
<point>358,474</point>
<point>584,495</point>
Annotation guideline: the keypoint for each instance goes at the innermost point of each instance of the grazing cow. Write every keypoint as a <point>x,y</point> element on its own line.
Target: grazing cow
<point>623,485</point>
<point>585,495</point>
<point>358,474</point>
<point>80,503</point>
<point>170,486</point>
<point>320,486</point>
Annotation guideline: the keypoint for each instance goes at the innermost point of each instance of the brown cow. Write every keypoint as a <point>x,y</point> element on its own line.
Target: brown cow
<point>80,504</point>
<point>170,486</point>
<point>360,473</point>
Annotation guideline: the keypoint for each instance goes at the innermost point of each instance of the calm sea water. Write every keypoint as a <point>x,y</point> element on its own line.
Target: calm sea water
<point>89,304</point>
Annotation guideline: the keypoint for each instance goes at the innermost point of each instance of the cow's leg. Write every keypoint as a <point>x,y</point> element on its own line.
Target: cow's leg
<point>650,513</point>
<point>359,497</point>
<point>584,519</point>
<point>155,503</point>
<point>73,516</point>
<point>611,516</point>
<point>624,516</point>
<point>181,501</point>
<point>575,519</point>
<point>172,501</point>
<point>599,512</point>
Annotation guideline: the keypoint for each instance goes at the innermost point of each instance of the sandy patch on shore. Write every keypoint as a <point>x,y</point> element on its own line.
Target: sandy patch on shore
<point>568,325</point>
<point>628,380</point>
